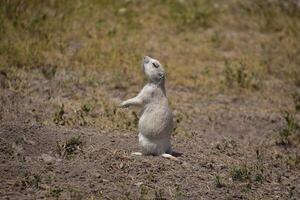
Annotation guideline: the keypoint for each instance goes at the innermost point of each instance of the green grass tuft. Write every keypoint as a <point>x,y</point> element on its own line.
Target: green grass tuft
<point>289,131</point>
<point>69,147</point>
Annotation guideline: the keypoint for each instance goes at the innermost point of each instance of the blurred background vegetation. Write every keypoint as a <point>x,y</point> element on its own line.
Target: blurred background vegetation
<point>207,46</point>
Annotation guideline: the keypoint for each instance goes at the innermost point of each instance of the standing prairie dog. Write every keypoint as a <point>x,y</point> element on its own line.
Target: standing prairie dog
<point>156,121</point>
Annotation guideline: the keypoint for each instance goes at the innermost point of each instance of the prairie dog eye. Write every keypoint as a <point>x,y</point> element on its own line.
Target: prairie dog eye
<point>155,65</point>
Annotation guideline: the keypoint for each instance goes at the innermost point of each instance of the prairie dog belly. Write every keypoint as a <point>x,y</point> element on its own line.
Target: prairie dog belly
<point>156,122</point>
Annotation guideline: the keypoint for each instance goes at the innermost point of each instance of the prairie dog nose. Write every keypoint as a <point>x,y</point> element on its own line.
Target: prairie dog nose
<point>146,59</point>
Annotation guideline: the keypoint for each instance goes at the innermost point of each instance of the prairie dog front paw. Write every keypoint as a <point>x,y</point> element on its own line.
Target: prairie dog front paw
<point>123,105</point>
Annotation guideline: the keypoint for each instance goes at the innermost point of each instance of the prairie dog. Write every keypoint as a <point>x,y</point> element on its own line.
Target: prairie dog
<point>156,121</point>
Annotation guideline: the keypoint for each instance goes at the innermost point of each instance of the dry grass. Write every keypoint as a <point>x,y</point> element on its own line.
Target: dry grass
<point>225,61</point>
<point>207,47</point>
<point>192,38</point>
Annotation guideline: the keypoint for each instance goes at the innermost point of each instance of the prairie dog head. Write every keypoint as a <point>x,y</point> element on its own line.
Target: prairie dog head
<point>153,70</point>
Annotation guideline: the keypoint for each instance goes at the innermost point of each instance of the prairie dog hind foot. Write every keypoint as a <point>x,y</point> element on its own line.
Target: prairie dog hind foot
<point>169,156</point>
<point>164,155</point>
<point>136,154</point>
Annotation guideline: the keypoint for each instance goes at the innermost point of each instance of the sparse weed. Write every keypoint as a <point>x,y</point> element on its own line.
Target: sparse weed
<point>144,192</point>
<point>81,117</point>
<point>56,192</point>
<point>258,177</point>
<point>49,71</point>
<point>290,130</point>
<point>13,79</point>
<point>86,108</point>
<point>178,119</point>
<point>179,192</point>
<point>292,192</point>
<point>237,76</point>
<point>119,118</point>
<point>240,173</point>
<point>151,178</point>
<point>120,79</point>
<point>100,111</point>
<point>293,160</point>
<point>59,116</point>
<point>247,188</point>
<point>70,147</point>
<point>296,97</point>
<point>78,117</point>
<point>297,80</point>
<point>226,144</point>
<point>3,79</point>
<point>219,181</point>
<point>217,40</point>
<point>29,180</point>
<point>75,193</point>
<point>192,14</point>
<point>267,12</point>
<point>159,194</point>
<point>249,173</point>
<point>258,168</point>
<point>128,15</point>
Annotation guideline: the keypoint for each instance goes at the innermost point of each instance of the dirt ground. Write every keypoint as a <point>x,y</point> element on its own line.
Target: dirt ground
<point>225,141</point>
<point>233,82</point>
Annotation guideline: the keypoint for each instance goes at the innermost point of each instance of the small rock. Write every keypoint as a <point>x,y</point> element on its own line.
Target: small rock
<point>97,174</point>
<point>47,158</point>
<point>27,141</point>
<point>105,180</point>
<point>28,159</point>
<point>185,164</point>
<point>121,165</point>
<point>138,184</point>
<point>18,149</point>
<point>44,186</point>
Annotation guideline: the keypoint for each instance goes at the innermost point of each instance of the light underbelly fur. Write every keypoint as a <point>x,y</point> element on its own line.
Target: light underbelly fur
<point>154,146</point>
<point>155,128</point>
